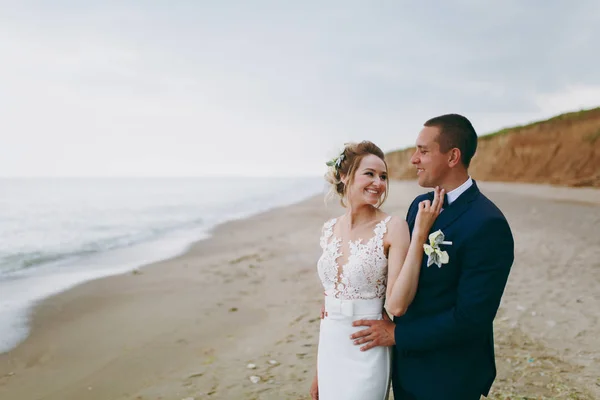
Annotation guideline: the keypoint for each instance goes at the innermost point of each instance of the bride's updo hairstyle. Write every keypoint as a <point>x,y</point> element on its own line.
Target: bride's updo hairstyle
<point>346,164</point>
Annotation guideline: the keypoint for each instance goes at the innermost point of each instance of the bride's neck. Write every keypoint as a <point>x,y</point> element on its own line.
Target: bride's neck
<point>360,215</point>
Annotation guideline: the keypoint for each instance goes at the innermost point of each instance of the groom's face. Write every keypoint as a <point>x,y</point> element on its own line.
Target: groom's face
<point>432,164</point>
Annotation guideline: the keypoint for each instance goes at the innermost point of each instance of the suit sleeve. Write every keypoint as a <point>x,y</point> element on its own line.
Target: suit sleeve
<point>486,264</point>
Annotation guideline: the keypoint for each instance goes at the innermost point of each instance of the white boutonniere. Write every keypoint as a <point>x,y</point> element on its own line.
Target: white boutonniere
<point>433,251</point>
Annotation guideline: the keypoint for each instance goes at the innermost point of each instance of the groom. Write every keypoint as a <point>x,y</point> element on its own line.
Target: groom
<point>444,343</point>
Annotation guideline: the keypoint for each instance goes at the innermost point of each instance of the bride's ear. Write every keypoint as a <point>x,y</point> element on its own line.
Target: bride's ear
<point>344,179</point>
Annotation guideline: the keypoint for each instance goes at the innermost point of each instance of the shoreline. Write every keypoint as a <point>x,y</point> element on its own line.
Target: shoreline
<point>105,264</point>
<point>108,298</point>
<point>188,326</point>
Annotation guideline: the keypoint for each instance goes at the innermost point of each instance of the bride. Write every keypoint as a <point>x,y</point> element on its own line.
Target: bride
<point>363,250</point>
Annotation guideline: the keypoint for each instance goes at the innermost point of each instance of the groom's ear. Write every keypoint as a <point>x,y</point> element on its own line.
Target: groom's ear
<point>454,157</point>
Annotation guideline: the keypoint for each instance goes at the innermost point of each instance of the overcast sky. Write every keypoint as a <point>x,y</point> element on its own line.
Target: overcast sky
<point>188,88</point>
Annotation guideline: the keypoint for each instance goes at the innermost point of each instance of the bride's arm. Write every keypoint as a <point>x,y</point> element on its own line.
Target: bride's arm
<point>404,265</point>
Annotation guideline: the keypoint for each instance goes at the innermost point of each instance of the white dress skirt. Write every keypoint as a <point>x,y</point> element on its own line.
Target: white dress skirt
<point>345,372</point>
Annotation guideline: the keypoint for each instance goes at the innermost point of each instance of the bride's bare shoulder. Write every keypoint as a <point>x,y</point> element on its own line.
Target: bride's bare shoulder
<point>397,229</point>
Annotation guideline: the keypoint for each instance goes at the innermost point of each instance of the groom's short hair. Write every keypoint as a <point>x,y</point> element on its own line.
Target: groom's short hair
<point>456,131</point>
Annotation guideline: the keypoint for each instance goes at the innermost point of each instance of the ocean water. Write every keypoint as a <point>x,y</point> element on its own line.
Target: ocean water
<point>60,232</point>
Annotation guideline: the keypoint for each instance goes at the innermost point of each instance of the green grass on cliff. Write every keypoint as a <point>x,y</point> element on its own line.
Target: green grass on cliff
<point>562,117</point>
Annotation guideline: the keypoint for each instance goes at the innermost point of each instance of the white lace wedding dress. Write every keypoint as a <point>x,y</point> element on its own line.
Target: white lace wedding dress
<point>353,291</point>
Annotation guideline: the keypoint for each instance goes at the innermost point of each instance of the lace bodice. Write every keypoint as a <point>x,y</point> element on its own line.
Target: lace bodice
<point>364,275</point>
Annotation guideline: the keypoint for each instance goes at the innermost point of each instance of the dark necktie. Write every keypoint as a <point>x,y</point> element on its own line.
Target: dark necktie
<point>445,204</point>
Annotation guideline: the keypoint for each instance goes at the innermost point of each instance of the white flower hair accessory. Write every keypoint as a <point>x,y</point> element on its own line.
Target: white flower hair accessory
<point>336,163</point>
<point>433,251</point>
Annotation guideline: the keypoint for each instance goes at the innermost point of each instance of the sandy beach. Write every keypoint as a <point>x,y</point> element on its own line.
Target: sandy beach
<point>188,327</point>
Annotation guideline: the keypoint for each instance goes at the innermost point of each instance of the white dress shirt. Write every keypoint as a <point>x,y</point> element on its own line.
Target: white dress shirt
<point>453,195</point>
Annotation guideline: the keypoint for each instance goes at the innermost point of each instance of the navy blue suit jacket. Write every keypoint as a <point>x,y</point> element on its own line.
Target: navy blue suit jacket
<point>444,343</point>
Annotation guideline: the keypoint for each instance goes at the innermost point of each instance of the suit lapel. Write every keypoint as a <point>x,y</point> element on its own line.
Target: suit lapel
<point>456,209</point>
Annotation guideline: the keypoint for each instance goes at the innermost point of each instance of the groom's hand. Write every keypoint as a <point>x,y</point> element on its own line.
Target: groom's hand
<point>379,333</point>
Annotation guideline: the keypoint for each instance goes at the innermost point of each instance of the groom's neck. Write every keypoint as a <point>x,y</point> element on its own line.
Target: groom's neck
<point>454,180</point>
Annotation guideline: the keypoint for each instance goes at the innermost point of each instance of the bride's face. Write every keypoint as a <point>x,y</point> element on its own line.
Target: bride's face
<point>370,182</point>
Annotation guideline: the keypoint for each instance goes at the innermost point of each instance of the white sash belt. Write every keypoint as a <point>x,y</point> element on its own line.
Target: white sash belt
<point>350,308</point>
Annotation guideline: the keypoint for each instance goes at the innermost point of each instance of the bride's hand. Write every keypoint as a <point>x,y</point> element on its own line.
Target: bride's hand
<point>428,212</point>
